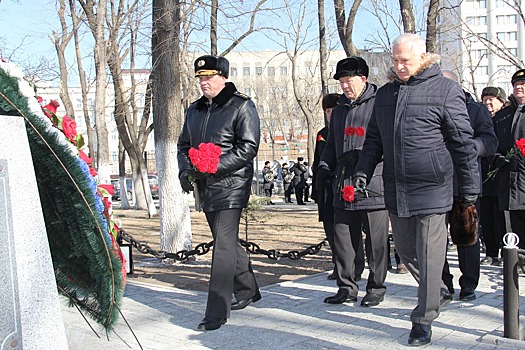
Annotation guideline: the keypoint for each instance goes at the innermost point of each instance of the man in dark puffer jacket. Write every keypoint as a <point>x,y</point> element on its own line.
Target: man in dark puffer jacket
<point>415,117</point>
<point>228,119</point>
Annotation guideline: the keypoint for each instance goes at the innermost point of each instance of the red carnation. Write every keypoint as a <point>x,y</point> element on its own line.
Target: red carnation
<point>520,144</point>
<point>348,193</point>
<point>359,131</point>
<point>69,128</point>
<point>320,138</point>
<point>349,131</point>
<point>206,157</point>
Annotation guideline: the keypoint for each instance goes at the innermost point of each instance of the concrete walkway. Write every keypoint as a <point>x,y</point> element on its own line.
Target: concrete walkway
<point>292,315</point>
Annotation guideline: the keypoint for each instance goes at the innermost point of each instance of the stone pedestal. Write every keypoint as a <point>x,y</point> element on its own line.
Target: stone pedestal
<point>30,314</point>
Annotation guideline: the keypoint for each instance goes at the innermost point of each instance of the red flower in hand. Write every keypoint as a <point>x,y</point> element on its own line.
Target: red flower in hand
<point>520,144</point>
<point>69,127</point>
<point>348,193</point>
<point>206,157</point>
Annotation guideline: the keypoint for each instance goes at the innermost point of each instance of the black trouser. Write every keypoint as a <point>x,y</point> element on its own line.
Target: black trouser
<point>349,227</point>
<point>469,261</point>
<point>288,193</point>
<point>306,193</point>
<point>493,225</point>
<point>299,193</point>
<point>515,222</point>
<point>231,271</point>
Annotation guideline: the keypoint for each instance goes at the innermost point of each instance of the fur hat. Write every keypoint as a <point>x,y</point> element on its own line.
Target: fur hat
<point>463,224</point>
<point>351,66</point>
<point>518,76</point>
<point>211,65</point>
<point>494,92</point>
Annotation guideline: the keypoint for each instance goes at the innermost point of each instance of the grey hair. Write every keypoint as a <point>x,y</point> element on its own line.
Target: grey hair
<point>417,44</point>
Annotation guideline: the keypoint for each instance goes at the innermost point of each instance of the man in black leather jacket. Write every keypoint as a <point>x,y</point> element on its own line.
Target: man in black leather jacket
<point>228,119</point>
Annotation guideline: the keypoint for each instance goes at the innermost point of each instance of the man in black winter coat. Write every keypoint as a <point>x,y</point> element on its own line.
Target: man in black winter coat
<point>360,212</point>
<point>486,143</point>
<point>228,119</point>
<point>420,130</point>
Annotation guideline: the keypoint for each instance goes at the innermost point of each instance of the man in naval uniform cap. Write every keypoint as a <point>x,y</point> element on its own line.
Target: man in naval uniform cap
<point>228,119</point>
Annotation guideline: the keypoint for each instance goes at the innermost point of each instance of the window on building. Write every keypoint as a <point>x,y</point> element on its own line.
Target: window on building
<point>477,20</point>
<point>479,54</point>
<point>246,71</point>
<point>114,156</point>
<point>114,135</point>
<point>258,70</point>
<point>233,71</point>
<point>284,70</point>
<point>482,70</point>
<point>507,36</point>
<point>506,19</point>
<point>248,91</point>
<point>501,3</point>
<point>507,69</point>
<point>284,92</point>
<point>271,71</point>
<point>513,51</point>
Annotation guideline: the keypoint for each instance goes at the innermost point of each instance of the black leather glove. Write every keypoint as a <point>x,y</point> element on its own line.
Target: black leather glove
<point>468,199</point>
<point>360,182</point>
<point>185,183</point>
<point>197,175</point>
<point>500,161</point>
<point>323,173</point>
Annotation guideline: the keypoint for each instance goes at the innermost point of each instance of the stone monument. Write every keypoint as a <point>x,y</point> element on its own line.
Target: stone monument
<point>30,313</point>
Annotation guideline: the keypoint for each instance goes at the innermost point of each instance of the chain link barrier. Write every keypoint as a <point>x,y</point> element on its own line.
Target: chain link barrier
<point>204,248</point>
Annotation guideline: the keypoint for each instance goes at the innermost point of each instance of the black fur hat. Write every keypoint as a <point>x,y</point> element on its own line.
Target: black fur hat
<point>351,66</point>
<point>463,224</point>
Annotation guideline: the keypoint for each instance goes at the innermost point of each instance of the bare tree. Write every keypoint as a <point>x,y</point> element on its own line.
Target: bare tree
<point>95,13</point>
<point>345,27</point>
<point>175,224</point>
<point>322,47</point>
<point>407,15</point>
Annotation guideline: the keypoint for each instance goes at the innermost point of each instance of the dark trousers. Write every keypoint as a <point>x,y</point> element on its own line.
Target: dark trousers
<point>421,245</point>
<point>231,271</point>
<point>493,225</point>
<point>306,193</point>
<point>469,265</point>
<point>349,227</point>
<point>288,188</point>
<point>515,222</point>
<point>299,194</point>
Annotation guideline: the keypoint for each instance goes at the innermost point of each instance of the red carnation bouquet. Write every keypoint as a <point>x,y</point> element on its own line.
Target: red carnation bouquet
<point>519,148</point>
<point>206,157</point>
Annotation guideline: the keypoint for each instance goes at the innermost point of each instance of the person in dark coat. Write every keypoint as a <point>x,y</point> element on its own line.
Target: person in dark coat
<point>268,181</point>
<point>299,181</point>
<point>228,119</point>
<point>509,124</point>
<point>492,219</point>
<point>365,212</point>
<point>421,131</point>
<point>486,143</point>
<point>322,192</point>
<point>287,175</point>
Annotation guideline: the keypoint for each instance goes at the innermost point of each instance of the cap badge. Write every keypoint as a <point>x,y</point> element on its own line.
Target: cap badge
<point>519,74</point>
<point>201,63</point>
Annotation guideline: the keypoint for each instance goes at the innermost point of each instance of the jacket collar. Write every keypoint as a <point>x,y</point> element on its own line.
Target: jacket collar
<point>224,96</point>
<point>368,93</point>
<point>429,68</point>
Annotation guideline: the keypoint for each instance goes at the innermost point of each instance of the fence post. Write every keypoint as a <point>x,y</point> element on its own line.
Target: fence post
<point>511,327</point>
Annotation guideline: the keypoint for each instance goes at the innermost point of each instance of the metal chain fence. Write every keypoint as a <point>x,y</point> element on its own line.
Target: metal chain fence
<point>204,248</point>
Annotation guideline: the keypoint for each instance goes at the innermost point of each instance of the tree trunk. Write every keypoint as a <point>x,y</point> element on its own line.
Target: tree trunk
<point>345,28</point>
<point>433,8</point>
<point>213,26</point>
<point>175,224</point>
<point>322,47</point>
<point>407,15</point>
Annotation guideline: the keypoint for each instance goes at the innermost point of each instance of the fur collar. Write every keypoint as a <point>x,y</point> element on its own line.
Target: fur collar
<point>224,96</point>
<point>430,59</point>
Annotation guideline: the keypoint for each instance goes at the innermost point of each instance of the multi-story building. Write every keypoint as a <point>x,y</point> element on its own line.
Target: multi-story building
<point>484,40</point>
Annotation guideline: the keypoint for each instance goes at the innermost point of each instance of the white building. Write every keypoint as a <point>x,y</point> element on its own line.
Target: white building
<point>484,40</point>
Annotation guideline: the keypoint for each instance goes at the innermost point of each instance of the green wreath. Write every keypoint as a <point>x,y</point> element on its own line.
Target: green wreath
<point>87,268</point>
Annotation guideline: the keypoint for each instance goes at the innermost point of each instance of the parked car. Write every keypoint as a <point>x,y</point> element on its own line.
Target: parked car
<point>153,185</point>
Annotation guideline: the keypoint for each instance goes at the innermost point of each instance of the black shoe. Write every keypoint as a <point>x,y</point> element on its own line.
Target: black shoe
<point>302,203</point>
<point>332,276</point>
<point>272,203</point>
<point>211,323</point>
<point>419,335</point>
<point>446,297</point>
<point>241,304</point>
<point>372,299</point>
<point>341,297</point>
<point>467,294</point>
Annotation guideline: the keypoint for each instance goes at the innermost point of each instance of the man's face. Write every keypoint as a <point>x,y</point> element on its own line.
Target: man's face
<point>211,85</point>
<point>518,92</point>
<point>352,86</point>
<point>493,104</point>
<point>406,62</point>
